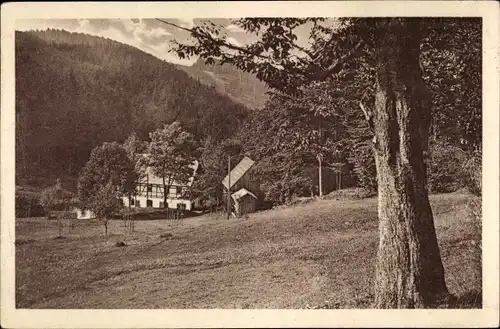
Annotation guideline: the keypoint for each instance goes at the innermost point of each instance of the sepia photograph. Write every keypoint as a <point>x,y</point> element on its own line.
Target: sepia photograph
<point>249,162</point>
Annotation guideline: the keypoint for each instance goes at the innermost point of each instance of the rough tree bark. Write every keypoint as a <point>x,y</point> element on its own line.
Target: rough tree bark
<point>409,270</point>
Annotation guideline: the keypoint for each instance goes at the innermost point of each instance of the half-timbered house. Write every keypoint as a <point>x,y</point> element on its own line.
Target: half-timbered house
<point>150,190</point>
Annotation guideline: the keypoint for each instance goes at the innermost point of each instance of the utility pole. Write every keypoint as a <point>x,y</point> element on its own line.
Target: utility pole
<point>320,187</point>
<point>340,177</point>
<point>228,186</point>
<point>320,178</point>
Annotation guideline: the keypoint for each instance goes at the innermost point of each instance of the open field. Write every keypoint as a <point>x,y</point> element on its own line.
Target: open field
<point>320,254</point>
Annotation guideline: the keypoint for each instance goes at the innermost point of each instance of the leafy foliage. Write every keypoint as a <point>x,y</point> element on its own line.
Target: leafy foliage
<point>473,171</point>
<point>446,167</point>
<point>364,165</point>
<point>451,59</point>
<point>171,155</point>
<point>135,149</point>
<point>276,57</point>
<point>55,198</point>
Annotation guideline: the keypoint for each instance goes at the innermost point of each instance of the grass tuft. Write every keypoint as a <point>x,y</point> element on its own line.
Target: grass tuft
<point>166,236</point>
<point>23,241</point>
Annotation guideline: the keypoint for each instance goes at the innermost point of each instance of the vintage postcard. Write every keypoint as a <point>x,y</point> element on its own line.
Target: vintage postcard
<point>250,164</point>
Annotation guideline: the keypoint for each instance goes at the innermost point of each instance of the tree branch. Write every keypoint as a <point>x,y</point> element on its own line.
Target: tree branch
<point>316,53</point>
<point>219,42</point>
<point>336,66</point>
<point>323,74</point>
<point>175,25</point>
<point>367,111</point>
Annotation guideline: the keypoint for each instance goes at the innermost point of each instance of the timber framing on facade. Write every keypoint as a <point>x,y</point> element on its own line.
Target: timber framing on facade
<point>150,192</point>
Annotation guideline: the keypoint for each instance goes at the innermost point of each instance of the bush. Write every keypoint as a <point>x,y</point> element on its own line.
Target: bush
<point>55,198</point>
<point>28,206</point>
<point>364,166</point>
<point>350,194</point>
<point>446,167</point>
<point>472,172</point>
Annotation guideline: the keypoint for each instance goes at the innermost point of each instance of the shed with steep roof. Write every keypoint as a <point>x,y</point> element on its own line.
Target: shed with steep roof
<point>243,188</point>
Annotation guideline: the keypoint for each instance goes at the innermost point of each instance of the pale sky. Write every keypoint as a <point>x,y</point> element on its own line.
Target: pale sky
<point>149,35</point>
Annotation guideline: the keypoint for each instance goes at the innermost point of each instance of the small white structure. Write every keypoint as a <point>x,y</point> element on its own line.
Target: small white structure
<point>83,214</point>
<point>149,192</point>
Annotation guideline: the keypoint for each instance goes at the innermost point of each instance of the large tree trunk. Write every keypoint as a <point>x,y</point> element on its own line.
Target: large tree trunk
<point>409,271</point>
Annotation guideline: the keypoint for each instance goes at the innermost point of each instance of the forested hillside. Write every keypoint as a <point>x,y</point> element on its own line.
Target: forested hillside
<point>241,86</point>
<point>75,91</point>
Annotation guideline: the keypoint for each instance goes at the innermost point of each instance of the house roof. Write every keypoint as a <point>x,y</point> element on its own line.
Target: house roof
<point>241,169</point>
<point>153,179</point>
<point>241,193</point>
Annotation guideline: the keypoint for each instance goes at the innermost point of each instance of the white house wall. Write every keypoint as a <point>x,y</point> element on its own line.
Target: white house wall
<point>172,203</point>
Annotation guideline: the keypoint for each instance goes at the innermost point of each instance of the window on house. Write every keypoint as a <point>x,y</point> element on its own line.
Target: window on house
<point>138,203</point>
<point>178,191</point>
<point>131,202</point>
<point>149,203</point>
<point>150,188</point>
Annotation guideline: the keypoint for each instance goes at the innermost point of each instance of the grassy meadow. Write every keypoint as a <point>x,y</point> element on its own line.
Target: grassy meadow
<point>314,255</point>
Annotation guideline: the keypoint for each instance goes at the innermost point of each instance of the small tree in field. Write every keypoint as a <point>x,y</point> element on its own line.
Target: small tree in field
<point>108,174</point>
<point>172,152</point>
<point>105,203</point>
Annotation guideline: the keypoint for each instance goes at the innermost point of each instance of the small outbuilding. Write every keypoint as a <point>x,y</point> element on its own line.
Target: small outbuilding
<point>242,187</point>
<point>244,202</point>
